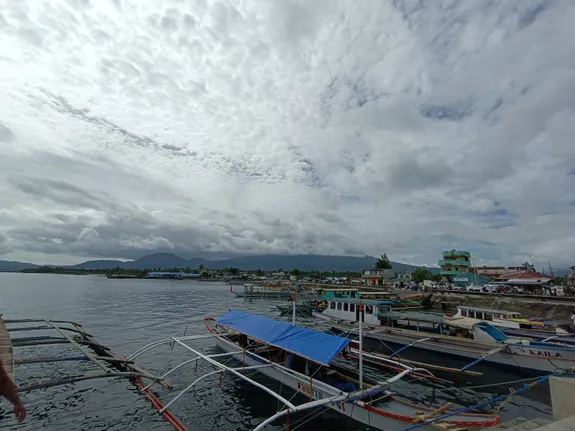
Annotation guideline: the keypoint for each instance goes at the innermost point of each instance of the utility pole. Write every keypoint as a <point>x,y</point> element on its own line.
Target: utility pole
<point>550,269</point>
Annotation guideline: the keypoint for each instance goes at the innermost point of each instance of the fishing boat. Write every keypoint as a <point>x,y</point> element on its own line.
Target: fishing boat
<point>514,325</point>
<point>470,340</point>
<point>301,359</point>
<point>398,302</point>
<point>251,291</point>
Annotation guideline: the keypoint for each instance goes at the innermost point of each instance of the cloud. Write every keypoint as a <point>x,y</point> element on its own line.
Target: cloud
<point>6,135</point>
<point>292,127</point>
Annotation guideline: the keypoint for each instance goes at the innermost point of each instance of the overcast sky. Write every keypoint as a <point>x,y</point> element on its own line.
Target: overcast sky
<point>336,127</point>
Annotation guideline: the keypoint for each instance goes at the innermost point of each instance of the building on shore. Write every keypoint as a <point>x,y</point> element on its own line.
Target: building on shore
<point>457,268</point>
<point>455,265</point>
<point>531,282</point>
<point>377,277</point>
<point>455,262</point>
<point>497,271</point>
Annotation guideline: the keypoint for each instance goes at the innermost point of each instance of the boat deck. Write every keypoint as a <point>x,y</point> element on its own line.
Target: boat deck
<point>6,349</point>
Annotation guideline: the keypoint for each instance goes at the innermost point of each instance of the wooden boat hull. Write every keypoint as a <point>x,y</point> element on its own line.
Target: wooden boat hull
<point>391,414</point>
<point>536,359</point>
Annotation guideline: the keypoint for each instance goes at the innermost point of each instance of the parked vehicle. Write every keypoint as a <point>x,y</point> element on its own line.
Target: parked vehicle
<point>474,288</point>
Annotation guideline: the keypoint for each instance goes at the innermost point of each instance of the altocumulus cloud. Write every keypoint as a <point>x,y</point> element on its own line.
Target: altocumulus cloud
<point>295,126</point>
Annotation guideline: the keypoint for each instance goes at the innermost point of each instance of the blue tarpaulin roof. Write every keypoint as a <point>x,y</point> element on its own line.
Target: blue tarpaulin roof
<point>316,346</point>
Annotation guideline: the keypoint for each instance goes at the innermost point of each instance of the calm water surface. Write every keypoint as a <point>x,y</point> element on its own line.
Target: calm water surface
<point>125,315</point>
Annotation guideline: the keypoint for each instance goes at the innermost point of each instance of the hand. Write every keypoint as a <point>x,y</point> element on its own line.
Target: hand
<point>20,412</point>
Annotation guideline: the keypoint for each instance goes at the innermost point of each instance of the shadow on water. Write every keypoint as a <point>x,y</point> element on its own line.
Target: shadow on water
<point>127,314</point>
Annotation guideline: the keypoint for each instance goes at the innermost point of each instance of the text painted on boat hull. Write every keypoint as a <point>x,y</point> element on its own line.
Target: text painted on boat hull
<point>308,390</point>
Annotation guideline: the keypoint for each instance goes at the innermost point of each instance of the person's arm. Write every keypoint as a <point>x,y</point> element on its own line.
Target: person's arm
<point>8,390</point>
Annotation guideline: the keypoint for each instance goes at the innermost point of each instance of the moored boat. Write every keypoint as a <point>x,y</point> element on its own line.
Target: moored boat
<point>514,325</point>
<point>398,302</point>
<point>251,291</point>
<point>301,358</point>
<point>459,337</point>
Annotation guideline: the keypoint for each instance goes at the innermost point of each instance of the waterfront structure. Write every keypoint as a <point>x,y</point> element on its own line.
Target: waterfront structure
<point>377,277</point>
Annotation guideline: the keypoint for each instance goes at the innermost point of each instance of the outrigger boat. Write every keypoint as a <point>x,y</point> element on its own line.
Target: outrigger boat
<point>475,341</point>
<point>251,291</point>
<point>303,360</point>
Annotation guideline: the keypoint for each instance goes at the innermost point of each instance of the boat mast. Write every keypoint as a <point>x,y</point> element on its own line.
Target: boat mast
<point>293,307</point>
<point>360,345</point>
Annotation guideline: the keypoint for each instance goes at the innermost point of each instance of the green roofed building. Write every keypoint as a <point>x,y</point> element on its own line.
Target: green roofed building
<point>456,268</point>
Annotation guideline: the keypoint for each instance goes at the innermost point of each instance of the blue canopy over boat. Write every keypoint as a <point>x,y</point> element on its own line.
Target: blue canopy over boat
<point>316,346</point>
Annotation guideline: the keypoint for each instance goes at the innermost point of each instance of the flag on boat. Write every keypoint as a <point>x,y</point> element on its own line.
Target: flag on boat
<point>313,345</point>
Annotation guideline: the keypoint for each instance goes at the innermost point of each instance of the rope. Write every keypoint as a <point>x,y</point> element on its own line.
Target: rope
<point>466,409</point>
<point>312,415</point>
<point>510,382</point>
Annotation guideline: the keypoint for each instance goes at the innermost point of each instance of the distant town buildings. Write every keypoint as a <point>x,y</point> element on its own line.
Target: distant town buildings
<point>457,268</point>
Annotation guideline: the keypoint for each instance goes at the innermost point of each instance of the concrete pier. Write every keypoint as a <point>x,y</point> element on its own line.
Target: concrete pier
<point>567,424</point>
<point>562,397</point>
<point>563,402</point>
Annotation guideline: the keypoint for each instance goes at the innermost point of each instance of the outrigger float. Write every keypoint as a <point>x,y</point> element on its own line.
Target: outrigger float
<point>303,360</point>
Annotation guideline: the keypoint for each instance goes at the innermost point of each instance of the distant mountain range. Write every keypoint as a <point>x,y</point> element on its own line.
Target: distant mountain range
<point>7,265</point>
<point>305,262</point>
